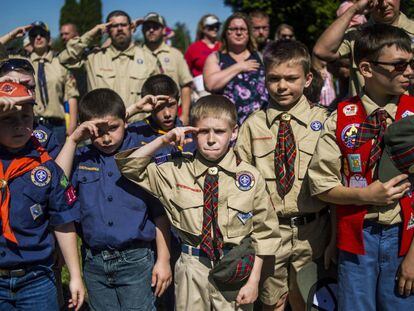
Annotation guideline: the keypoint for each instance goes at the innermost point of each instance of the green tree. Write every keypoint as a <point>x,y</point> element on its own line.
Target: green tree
<point>91,14</point>
<point>69,13</point>
<point>182,38</point>
<point>309,17</point>
<point>407,6</point>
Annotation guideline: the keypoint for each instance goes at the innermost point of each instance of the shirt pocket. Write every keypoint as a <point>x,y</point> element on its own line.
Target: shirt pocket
<point>306,151</point>
<point>187,212</point>
<point>86,177</point>
<point>107,78</point>
<point>240,215</point>
<point>34,213</point>
<point>264,157</point>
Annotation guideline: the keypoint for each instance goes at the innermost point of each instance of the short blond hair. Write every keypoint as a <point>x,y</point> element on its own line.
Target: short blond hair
<point>214,106</point>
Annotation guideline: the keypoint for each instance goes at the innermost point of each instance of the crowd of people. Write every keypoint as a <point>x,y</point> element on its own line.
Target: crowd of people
<point>214,179</point>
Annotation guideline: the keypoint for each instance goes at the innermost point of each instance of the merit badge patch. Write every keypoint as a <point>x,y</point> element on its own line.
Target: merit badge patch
<point>244,217</point>
<point>70,195</point>
<point>349,134</point>
<point>64,182</point>
<point>357,181</point>
<point>316,126</point>
<point>350,110</point>
<point>41,176</point>
<point>40,135</point>
<point>245,180</point>
<point>410,224</point>
<point>407,113</point>
<point>36,211</point>
<point>354,161</point>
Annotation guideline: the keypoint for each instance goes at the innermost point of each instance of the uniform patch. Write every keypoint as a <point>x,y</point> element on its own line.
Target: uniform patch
<point>410,224</point>
<point>166,60</point>
<point>355,163</point>
<point>407,113</point>
<point>244,217</point>
<point>161,159</point>
<point>64,181</point>
<point>316,126</point>
<point>89,168</point>
<point>41,176</point>
<point>8,88</point>
<point>70,195</point>
<point>40,135</point>
<point>140,61</point>
<point>357,181</point>
<point>350,110</point>
<point>245,180</point>
<point>36,211</point>
<point>349,134</point>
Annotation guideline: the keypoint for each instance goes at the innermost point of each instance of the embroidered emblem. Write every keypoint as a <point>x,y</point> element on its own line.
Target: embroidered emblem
<point>407,113</point>
<point>355,163</point>
<point>410,224</point>
<point>244,217</point>
<point>64,182</point>
<point>350,110</point>
<point>36,211</point>
<point>140,61</point>
<point>89,168</point>
<point>349,134</point>
<point>41,176</point>
<point>316,126</point>
<point>245,180</point>
<point>8,88</point>
<point>40,135</point>
<point>357,181</point>
<point>166,60</point>
<point>70,195</point>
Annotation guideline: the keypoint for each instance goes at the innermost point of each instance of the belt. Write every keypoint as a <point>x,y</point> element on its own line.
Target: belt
<point>13,273</point>
<point>195,251</point>
<point>301,220</point>
<point>50,121</point>
<point>108,254</point>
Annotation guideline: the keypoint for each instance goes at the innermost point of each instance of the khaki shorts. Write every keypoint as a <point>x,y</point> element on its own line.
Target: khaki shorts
<point>195,291</point>
<point>299,246</point>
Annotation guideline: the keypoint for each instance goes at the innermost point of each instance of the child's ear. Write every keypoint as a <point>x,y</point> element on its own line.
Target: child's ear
<point>234,132</point>
<point>365,69</point>
<point>308,79</point>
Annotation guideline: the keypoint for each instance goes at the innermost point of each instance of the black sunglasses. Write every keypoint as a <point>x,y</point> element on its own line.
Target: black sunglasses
<point>213,27</point>
<point>33,33</point>
<point>400,66</point>
<point>16,64</point>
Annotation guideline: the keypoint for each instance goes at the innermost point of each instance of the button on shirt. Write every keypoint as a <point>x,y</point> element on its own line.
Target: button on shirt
<point>38,203</point>
<point>114,212</point>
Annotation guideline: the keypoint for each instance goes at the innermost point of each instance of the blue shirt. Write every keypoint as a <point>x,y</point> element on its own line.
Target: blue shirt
<point>47,139</point>
<point>114,210</point>
<point>40,199</point>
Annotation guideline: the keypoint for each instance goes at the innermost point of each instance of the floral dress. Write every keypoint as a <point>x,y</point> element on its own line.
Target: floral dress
<point>247,90</point>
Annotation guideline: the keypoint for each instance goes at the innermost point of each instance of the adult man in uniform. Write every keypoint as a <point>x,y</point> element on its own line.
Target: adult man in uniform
<point>169,60</point>
<point>336,42</point>
<point>68,31</point>
<point>122,66</point>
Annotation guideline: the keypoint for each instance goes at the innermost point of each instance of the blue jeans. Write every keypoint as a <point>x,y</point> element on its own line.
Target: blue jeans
<point>120,280</point>
<point>367,282</point>
<point>34,291</point>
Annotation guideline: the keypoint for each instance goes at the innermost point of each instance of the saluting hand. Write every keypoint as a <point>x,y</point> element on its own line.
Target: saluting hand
<point>86,130</point>
<point>176,137</point>
<point>101,28</point>
<point>364,6</point>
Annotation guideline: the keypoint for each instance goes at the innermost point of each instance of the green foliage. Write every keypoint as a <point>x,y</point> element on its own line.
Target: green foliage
<point>85,14</point>
<point>309,17</point>
<point>407,6</point>
<point>69,13</point>
<point>182,38</point>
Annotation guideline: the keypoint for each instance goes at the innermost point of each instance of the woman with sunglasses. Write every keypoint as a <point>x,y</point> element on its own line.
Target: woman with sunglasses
<point>206,43</point>
<point>237,70</point>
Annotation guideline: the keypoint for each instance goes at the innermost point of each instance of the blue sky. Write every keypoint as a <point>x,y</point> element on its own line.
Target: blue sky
<point>22,12</point>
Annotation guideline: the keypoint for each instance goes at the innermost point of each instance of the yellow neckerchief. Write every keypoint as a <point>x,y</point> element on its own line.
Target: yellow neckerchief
<point>159,131</point>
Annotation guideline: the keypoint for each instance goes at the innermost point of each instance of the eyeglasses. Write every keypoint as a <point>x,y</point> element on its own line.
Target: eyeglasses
<point>236,29</point>
<point>122,25</point>
<point>400,66</point>
<point>16,64</point>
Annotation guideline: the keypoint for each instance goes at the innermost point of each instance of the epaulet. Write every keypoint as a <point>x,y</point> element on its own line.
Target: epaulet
<point>173,155</point>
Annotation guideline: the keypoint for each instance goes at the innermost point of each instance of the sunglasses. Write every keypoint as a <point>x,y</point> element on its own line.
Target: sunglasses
<point>16,64</point>
<point>38,32</point>
<point>213,27</point>
<point>400,66</point>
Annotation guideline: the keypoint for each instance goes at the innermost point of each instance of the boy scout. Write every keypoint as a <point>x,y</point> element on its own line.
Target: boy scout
<point>374,218</point>
<point>37,203</point>
<point>122,66</point>
<point>213,201</point>
<point>115,226</point>
<point>55,84</point>
<point>280,141</point>
<point>170,61</point>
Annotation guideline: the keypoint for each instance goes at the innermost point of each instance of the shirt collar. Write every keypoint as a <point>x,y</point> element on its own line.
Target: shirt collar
<point>228,163</point>
<point>35,57</point>
<point>370,106</point>
<point>114,53</point>
<point>301,111</point>
<point>162,48</point>
<point>28,150</point>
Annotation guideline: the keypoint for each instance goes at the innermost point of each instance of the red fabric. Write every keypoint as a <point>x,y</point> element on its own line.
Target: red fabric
<point>351,218</point>
<point>17,167</point>
<point>197,54</point>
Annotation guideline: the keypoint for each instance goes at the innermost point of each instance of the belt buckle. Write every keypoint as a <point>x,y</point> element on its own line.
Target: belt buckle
<point>17,273</point>
<point>109,255</point>
<point>293,221</point>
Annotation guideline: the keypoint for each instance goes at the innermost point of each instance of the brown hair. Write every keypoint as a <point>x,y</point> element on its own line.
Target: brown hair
<point>281,27</point>
<point>214,106</point>
<point>251,44</point>
<point>200,26</point>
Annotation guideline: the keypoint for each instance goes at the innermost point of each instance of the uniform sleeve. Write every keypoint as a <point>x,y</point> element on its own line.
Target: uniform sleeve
<point>325,167</point>
<point>73,55</point>
<point>53,146</point>
<point>71,87</point>
<point>63,205</point>
<point>345,48</point>
<point>184,74</point>
<point>244,144</point>
<point>265,236</point>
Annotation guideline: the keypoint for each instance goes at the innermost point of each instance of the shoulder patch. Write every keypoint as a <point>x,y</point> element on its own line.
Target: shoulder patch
<point>40,135</point>
<point>245,180</point>
<point>316,126</point>
<point>41,176</point>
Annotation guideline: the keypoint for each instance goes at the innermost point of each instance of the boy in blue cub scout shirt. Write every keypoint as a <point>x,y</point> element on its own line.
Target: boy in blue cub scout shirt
<point>36,201</point>
<point>115,224</point>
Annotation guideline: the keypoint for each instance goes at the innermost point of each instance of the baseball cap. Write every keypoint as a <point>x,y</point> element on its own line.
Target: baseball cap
<point>211,20</point>
<point>156,18</point>
<point>13,64</point>
<point>398,155</point>
<point>13,89</point>
<point>39,27</point>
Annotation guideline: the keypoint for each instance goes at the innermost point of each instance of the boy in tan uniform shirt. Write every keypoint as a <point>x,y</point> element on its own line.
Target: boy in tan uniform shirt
<point>280,141</point>
<point>182,183</point>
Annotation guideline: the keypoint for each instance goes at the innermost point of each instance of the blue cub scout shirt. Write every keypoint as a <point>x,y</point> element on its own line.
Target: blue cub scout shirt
<point>40,200</point>
<point>47,139</point>
<point>114,211</point>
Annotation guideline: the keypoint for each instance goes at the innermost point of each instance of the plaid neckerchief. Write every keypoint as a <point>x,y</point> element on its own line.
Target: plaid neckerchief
<point>212,247</point>
<point>373,128</point>
<point>285,155</point>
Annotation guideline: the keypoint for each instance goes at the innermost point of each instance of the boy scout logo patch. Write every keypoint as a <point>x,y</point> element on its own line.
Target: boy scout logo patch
<point>36,211</point>
<point>316,126</point>
<point>355,163</point>
<point>7,88</point>
<point>41,176</point>
<point>350,110</point>
<point>407,113</point>
<point>244,217</point>
<point>410,224</point>
<point>40,135</point>
<point>349,134</point>
<point>245,180</point>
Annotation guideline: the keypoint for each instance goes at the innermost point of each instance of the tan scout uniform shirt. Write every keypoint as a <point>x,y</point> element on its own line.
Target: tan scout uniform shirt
<point>256,145</point>
<point>346,49</point>
<point>122,71</point>
<point>179,182</point>
<point>325,167</point>
<point>172,62</point>
<point>61,86</point>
